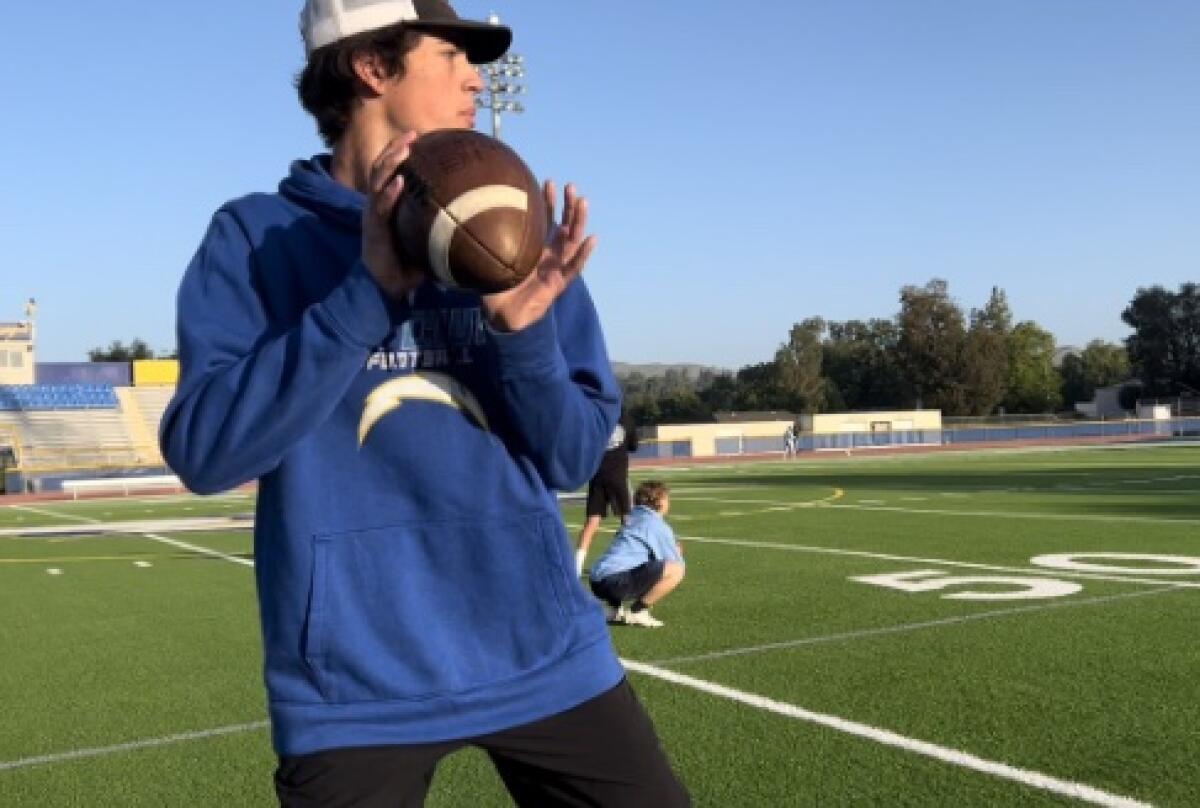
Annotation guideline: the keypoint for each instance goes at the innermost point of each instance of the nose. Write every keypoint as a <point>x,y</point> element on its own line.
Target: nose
<point>474,82</point>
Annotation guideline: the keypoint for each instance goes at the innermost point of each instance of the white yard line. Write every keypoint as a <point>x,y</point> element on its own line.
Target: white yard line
<point>150,743</point>
<point>903,628</point>
<point>55,514</point>
<point>1040,571</point>
<point>1062,517</point>
<point>195,548</point>
<point>878,505</point>
<point>954,757</point>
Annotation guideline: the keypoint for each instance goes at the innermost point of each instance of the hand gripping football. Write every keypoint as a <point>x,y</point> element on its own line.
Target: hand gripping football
<point>471,212</point>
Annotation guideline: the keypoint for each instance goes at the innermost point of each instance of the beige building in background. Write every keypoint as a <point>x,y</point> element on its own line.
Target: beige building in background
<point>871,423</point>
<point>828,431</point>
<point>709,440</point>
<point>16,349</point>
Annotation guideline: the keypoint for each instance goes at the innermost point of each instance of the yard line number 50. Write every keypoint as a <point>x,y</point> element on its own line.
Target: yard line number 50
<point>1029,587</point>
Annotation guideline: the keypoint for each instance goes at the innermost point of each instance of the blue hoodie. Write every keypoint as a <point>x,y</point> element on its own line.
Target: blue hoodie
<point>414,574</point>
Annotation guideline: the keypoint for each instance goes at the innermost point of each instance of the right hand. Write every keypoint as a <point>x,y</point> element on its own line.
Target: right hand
<point>378,247</point>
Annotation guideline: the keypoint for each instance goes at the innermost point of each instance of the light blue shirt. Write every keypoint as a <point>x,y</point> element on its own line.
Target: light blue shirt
<point>646,536</point>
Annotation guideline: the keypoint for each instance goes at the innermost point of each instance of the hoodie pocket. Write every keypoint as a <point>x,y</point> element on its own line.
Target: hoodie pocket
<point>417,611</point>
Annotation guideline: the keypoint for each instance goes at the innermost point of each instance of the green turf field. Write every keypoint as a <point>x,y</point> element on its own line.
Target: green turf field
<point>852,631</point>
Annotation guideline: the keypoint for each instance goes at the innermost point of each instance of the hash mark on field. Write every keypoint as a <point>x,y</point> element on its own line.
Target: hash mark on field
<point>882,631</point>
<point>954,757</point>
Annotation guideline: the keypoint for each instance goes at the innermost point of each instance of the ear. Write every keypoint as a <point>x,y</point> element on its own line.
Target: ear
<point>369,69</point>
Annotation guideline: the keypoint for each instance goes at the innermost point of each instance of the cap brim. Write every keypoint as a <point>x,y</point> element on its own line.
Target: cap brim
<point>483,41</point>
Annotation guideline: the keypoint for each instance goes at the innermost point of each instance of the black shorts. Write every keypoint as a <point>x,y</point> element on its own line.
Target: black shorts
<point>608,489</point>
<point>629,585</point>
<point>602,753</point>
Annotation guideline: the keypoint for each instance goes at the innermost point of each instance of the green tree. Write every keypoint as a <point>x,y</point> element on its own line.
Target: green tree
<point>798,365</point>
<point>1164,350</point>
<point>985,355</point>
<point>117,351</point>
<point>1033,384</point>
<point>1075,387</point>
<point>720,395</point>
<point>930,347</point>
<point>1101,364</point>
<point>1104,363</point>
<point>759,388</point>
<point>859,363</point>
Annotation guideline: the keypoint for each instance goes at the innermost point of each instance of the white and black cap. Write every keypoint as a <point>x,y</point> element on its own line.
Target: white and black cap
<point>324,22</point>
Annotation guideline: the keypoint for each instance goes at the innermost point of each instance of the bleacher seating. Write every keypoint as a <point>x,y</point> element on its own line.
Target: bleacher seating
<point>153,401</point>
<point>37,397</point>
<point>75,427</point>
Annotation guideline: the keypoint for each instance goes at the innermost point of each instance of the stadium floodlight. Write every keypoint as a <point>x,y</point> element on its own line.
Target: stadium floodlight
<point>500,85</point>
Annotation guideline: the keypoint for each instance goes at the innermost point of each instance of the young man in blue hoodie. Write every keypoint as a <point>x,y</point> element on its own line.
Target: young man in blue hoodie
<point>416,586</point>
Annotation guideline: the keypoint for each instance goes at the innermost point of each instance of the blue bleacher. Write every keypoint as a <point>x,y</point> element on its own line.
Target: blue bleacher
<point>29,397</point>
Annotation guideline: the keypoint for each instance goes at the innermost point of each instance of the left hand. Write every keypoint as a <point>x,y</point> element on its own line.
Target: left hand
<point>567,251</point>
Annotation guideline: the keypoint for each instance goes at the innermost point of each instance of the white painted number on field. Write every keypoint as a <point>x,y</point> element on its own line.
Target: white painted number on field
<point>1183,565</point>
<point>1026,588</point>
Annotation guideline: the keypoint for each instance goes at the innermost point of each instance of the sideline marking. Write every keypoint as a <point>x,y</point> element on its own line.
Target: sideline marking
<point>132,745</point>
<point>903,628</point>
<point>954,757</point>
<point>69,559</point>
<point>54,514</point>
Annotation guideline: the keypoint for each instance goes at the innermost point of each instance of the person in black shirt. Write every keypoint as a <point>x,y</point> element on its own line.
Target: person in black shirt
<point>609,487</point>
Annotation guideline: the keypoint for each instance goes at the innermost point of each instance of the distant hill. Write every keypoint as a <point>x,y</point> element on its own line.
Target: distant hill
<point>655,369</point>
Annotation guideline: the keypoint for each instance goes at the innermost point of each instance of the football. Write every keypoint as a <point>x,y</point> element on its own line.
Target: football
<point>471,214</point>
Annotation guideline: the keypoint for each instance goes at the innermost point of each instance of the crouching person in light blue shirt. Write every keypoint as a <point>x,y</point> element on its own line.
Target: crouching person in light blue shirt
<point>643,564</point>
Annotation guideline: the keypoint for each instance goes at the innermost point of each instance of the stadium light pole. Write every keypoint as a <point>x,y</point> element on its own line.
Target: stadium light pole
<point>500,84</point>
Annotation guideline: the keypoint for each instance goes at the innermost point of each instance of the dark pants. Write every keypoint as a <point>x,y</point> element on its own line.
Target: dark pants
<point>602,753</point>
<point>629,585</point>
<point>609,489</point>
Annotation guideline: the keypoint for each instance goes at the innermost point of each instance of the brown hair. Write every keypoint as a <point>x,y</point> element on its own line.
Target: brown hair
<point>651,493</point>
<point>328,86</point>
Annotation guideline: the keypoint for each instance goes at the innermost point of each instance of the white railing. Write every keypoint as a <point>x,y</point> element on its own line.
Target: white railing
<point>125,485</point>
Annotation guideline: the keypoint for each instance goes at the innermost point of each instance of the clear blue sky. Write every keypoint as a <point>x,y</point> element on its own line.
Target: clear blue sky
<point>749,164</point>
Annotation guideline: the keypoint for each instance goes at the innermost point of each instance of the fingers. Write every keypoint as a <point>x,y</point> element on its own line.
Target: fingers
<point>579,259</point>
<point>551,195</point>
<point>569,204</point>
<point>576,219</point>
<point>385,180</point>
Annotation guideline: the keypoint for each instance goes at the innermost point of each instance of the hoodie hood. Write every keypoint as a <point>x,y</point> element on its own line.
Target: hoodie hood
<point>310,185</point>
